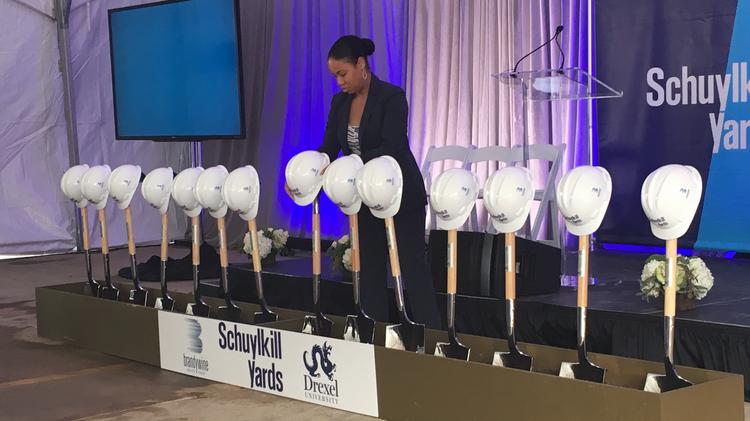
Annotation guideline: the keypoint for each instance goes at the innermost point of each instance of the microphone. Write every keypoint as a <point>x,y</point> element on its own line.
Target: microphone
<point>558,31</point>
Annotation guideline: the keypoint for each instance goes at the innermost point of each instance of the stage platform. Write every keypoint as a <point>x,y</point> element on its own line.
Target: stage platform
<point>714,335</point>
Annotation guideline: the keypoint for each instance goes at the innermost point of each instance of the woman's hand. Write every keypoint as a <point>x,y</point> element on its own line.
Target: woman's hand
<point>288,191</point>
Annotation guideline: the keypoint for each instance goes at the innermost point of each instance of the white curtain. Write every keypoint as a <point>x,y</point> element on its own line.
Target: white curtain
<point>453,49</point>
<point>34,216</point>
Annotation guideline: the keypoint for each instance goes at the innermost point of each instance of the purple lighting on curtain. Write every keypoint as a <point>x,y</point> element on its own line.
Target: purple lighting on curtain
<point>299,91</point>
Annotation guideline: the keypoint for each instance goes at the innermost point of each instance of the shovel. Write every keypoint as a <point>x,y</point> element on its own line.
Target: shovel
<point>318,324</point>
<point>230,311</point>
<point>583,369</point>
<point>108,291</point>
<point>265,315</point>
<point>407,335</point>
<point>199,308</point>
<point>359,327</point>
<point>137,295</point>
<point>670,380</point>
<point>454,348</point>
<point>514,358</point>
<point>92,287</point>
<point>165,301</point>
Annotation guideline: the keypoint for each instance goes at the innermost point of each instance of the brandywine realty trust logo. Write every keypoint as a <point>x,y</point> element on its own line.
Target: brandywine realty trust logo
<point>192,360</point>
<point>319,382</point>
<point>691,89</point>
<point>260,345</point>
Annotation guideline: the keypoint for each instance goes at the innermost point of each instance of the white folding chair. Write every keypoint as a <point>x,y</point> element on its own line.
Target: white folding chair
<point>547,197</point>
<point>436,154</point>
<point>490,153</point>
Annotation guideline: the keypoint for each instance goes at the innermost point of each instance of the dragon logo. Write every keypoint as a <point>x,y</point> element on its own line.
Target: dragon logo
<point>320,356</point>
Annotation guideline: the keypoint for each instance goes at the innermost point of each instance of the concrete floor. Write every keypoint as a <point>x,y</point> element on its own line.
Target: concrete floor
<point>48,380</point>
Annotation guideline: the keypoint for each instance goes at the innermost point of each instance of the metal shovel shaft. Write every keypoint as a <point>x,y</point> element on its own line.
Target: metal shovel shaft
<point>671,380</point>
<point>199,307</point>
<point>407,335</point>
<point>265,315</point>
<point>93,285</point>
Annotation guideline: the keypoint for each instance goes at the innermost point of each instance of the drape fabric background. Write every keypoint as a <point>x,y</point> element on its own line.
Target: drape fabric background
<point>442,52</point>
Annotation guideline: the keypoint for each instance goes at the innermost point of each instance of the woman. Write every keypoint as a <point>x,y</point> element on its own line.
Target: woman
<point>369,118</point>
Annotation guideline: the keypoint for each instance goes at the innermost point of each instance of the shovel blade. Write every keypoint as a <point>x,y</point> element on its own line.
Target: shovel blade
<point>452,350</point>
<point>318,325</point>
<point>91,288</point>
<point>230,313</point>
<point>588,372</point>
<point>265,316</point>
<point>659,383</point>
<point>407,336</point>
<point>109,293</point>
<point>198,309</point>
<point>359,328</point>
<point>138,297</point>
<point>164,303</point>
<point>517,360</point>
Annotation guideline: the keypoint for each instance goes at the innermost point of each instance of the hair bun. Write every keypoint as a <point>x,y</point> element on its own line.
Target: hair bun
<point>368,47</point>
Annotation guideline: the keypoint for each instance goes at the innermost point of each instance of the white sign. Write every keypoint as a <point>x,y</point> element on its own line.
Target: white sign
<point>325,371</point>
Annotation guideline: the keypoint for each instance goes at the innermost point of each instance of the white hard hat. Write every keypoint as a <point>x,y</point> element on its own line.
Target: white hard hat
<point>123,182</point>
<point>380,185</point>
<point>94,185</point>
<point>70,184</point>
<point>452,197</point>
<point>183,188</point>
<point>508,193</point>
<point>303,175</point>
<point>156,188</point>
<point>208,190</point>
<point>583,197</point>
<point>339,183</point>
<point>670,197</point>
<point>241,192</point>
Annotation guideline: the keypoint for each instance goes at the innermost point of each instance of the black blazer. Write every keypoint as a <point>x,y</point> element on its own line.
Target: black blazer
<point>382,131</point>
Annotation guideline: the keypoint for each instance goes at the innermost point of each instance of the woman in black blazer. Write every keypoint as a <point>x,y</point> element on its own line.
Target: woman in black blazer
<point>369,118</point>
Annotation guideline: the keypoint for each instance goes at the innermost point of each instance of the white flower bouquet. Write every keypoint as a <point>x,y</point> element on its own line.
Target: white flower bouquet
<point>340,253</point>
<point>270,243</point>
<point>694,279</point>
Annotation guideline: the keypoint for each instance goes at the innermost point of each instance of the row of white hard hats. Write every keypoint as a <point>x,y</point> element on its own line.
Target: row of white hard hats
<point>670,195</point>
<point>347,182</point>
<point>82,184</point>
<point>193,189</point>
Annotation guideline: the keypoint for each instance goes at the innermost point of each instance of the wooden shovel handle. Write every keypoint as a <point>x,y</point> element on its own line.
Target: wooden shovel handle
<point>390,233</point>
<point>316,242</point>
<point>223,258</point>
<point>583,271</point>
<point>510,266</point>
<point>129,226</point>
<point>354,237</point>
<point>103,228</point>
<point>252,228</point>
<point>452,256</point>
<point>670,289</point>
<point>164,241</point>
<point>195,223</point>
<point>85,227</point>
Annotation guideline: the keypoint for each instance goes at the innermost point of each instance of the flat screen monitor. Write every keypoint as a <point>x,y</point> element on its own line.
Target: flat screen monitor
<point>177,70</point>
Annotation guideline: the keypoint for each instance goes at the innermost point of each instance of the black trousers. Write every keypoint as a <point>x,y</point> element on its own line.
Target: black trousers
<point>419,289</point>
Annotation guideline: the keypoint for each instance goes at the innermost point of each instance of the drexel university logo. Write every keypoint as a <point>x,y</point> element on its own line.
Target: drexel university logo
<point>320,361</point>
